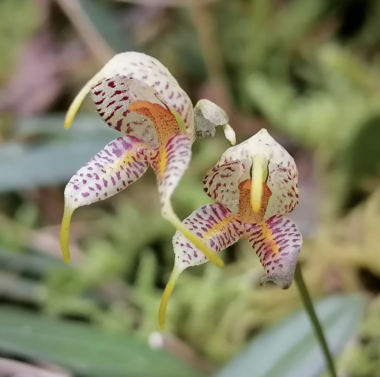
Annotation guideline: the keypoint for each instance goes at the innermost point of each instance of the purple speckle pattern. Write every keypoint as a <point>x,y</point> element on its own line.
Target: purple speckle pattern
<point>134,76</point>
<point>115,167</point>
<point>170,164</point>
<point>283,182</point>
<point>215,225</point>
<point>277,243</point>
<point>221,184</point>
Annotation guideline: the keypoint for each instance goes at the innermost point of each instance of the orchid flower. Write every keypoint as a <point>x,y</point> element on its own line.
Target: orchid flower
<point>254,186</point>
<point>137,96</point>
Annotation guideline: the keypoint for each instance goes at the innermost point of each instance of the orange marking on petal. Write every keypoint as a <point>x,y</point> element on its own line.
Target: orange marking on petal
<point>218,227</point>
<point>246,213</point>
<point>269,240</point>
<point>164,121</point>
<point>162,161</point>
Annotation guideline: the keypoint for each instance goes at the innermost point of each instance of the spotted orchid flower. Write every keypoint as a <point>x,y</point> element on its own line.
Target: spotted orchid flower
<point>254,186</point>
<point>137,96</point>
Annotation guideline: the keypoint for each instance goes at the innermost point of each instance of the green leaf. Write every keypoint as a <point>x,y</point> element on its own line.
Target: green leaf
<point>24,167</point>
<point>84,349</point>
<point>84,125</point>
<point>33,263</point>
<point>290,349</point>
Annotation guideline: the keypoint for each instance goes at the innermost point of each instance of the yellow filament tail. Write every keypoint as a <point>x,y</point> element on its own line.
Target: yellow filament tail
<point>75,105</point>
<point>196,241</point>
<point>166,297</point>
<point>259,171</point>
<point>64,235</point>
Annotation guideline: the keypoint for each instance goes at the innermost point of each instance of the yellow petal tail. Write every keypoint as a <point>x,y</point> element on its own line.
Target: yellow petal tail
<point>64,235</point>
<point>196,241</point>
<point>166,297</point>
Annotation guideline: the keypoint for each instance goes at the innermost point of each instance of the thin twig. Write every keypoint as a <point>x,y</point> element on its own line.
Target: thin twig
<point>308,304</point>
<point>207,31</point>
<point>94,40</point>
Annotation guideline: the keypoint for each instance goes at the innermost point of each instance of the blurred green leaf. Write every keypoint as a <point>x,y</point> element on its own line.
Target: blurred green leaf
<point>84,349</point>
<point>52,125</point>
<point>24,167</point>
<point>19,289</point>
<point>290,349</point>
<point>33,263</point>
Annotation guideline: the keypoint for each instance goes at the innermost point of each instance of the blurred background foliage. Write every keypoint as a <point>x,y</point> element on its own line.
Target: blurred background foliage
<point>308,70</point>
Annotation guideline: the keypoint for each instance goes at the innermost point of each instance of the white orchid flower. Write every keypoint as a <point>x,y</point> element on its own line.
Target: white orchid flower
<point>254,186</point>
<point>137,96</point>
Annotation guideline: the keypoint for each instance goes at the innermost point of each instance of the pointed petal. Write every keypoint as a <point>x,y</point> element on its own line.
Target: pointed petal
<point>75,105</point>
<point>118,165</point>
<point>277,243</point>
<point>217,227</point>
<point>208,116</point>
<point>113,97</point>
<point>282,178</point>
<point>283,182</point>
<point>149,72</point>
<point>221,184</point>
<point>170,165</point>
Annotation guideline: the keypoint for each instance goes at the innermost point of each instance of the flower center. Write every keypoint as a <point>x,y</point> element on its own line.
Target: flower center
<point>246,213</point>
<point>164,121</point>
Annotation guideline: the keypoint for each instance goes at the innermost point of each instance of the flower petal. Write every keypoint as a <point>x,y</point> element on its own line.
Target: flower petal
<point>282,178</point>
<point>113,97</point>
<point>277,243</point>
<point>147,70</point>
<point>221,184</point>
<point>217,227</point>
<point>115,167</point>
<point>207,116</point>
<point>151,72</point>
<point>170,164</point>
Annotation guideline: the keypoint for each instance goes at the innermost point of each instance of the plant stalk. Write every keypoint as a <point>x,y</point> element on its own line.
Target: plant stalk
<point>308,304</point>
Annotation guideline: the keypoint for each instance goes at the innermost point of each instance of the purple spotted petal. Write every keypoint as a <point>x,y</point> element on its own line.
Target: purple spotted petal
<point>170,165</point>
<point>215,225</point>
<point>115,167</point>
<point>112,98</point>
<point>277,243</point>
<point>145,72</point>
<point>152,73</point>
<point>221,184</point>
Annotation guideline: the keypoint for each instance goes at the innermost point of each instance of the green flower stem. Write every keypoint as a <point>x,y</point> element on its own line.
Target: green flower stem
<point>314,319</point>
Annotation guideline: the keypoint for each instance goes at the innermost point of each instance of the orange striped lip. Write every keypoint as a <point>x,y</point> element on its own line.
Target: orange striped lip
<point>164,120</point>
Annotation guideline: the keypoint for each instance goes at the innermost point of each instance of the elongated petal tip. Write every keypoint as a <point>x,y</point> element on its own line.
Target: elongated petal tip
<point>75,105</point>
<point>196,241</point>
<point>166,297</point>
<point>64,235</point>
